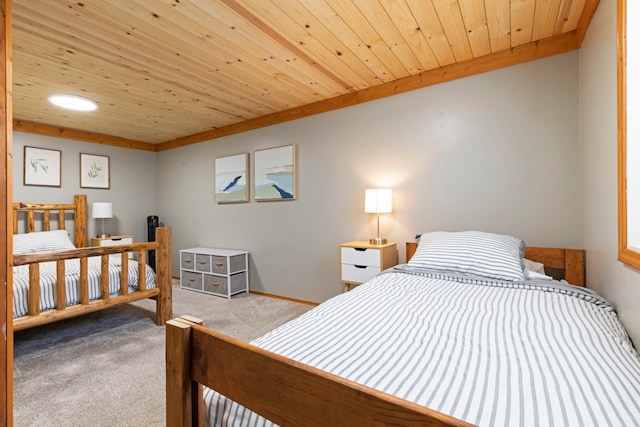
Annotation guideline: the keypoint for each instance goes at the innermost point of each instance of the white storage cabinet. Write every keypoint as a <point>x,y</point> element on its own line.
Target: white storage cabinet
<point>221,272</point>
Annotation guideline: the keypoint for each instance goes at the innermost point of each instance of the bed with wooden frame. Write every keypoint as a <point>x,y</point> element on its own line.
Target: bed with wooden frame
<point>290,393</point>
<point>27,215</point>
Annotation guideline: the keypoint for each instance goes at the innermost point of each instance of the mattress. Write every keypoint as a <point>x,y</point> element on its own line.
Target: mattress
<point>72,274</point>
<point>492,353</point>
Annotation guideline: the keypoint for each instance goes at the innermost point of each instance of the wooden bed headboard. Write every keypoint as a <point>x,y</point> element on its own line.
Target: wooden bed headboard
<point>569,263</point>
<point>78,208</point>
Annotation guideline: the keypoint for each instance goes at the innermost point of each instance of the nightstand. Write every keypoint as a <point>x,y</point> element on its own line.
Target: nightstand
<point>112,241</point>
<point>361,261</point>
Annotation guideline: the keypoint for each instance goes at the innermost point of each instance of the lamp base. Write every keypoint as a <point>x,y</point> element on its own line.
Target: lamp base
<point>103,236</point>
<point>378,241</point>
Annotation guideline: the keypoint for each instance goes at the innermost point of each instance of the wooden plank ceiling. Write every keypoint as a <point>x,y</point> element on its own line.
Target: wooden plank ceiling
<point>171,72</point>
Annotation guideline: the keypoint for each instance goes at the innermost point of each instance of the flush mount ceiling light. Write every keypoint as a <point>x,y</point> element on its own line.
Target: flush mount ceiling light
<point>72,102</point>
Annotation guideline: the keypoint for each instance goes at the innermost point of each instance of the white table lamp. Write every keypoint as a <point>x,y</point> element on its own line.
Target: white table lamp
<point>377,201</point>
<point>102,210</point>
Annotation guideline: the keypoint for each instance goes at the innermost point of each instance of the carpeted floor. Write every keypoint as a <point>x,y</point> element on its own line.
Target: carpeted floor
<point>107,368</point>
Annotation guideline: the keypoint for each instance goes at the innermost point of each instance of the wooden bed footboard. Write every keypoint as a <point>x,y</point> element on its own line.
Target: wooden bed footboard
<point>284,391</point>
<point>161,293</point>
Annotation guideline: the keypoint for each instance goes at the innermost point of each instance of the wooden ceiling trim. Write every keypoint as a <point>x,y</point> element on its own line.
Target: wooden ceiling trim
<point>80,135</point>
<point>427,19</point>
<point>281,40</point>
<point>260,122</point>
<point>529,52</point>
<point>585,19</point>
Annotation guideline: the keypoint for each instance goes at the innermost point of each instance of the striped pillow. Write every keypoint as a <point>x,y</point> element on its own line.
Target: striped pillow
<point>490,255</point>
<point>41,241</point>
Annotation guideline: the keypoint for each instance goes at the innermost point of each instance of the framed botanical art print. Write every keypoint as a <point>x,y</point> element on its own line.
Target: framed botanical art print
<point>275,173</point>
<point>232,183</point>
<point>94,171</point>
<point>42,167</point>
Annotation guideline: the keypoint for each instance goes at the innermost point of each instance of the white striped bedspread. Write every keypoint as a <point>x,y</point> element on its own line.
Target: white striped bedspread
<point>489,353</point>
<point>72,274</point>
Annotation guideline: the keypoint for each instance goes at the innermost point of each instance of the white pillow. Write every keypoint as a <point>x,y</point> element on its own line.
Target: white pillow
<point>490,255</point>
<point>41,241</point>
<point>535,275</point>
<point>534,266</point>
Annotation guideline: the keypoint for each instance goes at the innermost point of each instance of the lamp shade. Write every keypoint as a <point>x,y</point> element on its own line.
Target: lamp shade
<point>102,210</point>
<point>377,200</point>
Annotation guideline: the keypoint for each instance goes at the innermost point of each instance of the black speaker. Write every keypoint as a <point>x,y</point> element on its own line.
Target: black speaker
<point>152,224</point>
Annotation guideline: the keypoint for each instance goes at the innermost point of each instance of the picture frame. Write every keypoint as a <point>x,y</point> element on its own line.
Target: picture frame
<point>275,174</point>
<point>94,171</point>
<point>42,167</point>
<point>232,178</point>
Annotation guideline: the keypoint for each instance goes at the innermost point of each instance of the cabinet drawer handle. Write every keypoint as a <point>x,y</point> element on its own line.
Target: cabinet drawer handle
<point>215,283</point>
<point>202,262</point>
<point>187,260</point>
<point>360,249</point>
<point>191,279</point>
<point>219,264</point>
<point>360,266</point>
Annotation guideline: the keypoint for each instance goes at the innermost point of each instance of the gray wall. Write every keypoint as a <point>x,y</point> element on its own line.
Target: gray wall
<point>132,187</point>
<point>598,158</point>
<point>497,152</point>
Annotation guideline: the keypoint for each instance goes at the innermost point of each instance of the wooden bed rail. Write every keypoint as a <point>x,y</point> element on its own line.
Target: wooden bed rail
<point>161,293</point>
<point>284,391</point>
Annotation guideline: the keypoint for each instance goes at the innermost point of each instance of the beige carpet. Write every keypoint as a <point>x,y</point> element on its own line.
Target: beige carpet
<point>107,368</point>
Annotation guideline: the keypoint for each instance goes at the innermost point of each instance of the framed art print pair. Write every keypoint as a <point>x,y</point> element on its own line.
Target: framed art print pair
<point>274,176</point>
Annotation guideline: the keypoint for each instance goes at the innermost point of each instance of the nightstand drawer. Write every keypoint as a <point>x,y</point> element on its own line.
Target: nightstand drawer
<point>361,256</point>
<point>358,273</point>
<point>115,241</point>
<point>361,261</point>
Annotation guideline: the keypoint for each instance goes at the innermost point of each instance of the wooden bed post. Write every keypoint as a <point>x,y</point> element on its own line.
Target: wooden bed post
<point>80,221</point>
<point>164,306</point>
<point>185,406</point>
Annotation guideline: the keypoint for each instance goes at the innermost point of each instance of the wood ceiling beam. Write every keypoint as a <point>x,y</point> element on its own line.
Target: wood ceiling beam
<point>517,55</point>
<point>585,19</point>
<point>80,135</point>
